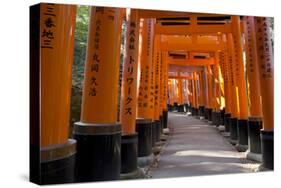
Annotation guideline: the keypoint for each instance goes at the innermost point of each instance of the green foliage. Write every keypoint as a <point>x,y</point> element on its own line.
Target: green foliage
<point>80,45</point>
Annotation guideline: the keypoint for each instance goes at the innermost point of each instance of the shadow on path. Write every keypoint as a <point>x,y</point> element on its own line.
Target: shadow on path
<point>196,148</point>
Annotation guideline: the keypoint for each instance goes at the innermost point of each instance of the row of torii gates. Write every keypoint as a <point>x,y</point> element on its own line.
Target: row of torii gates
<point>218,66</point>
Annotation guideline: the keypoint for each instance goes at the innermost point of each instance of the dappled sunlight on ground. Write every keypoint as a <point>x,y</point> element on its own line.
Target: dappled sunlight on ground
<point>196,148</point>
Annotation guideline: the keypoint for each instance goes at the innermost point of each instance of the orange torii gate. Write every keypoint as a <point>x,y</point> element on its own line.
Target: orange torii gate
<point>183,59</point>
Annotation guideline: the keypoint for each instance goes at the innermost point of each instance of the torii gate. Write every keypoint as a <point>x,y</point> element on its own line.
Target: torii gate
<point>155,43</point>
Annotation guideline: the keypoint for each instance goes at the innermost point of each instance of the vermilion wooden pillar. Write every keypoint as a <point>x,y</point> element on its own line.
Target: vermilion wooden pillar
<point>157,59</point>
<point>202,94</point>
<point>242,144</point>
<point>98,133</point>
<point>196,96</point>
<point>129,142</point>
<point>224,89</point>
<point>53,30</point>
<point>266,76</point>
<point>145,107</point>
<point>254,100</point>
<point>193,93</point>
<point>216,91</point>
<point>228,85</point>
<point>165,89</point>
<point>234,90</point>
<point>210,80</point>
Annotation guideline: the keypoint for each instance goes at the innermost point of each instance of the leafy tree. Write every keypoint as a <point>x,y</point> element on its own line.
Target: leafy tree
<point>80,45</point>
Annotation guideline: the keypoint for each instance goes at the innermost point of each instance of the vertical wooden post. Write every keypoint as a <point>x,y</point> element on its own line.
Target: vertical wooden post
<point>233,90</point>
<point>196,92</point>
<point>217,94</point>
<point>227,82</point>
<point>157,84</point>
<point>165,90</point>
<point>57,27</point>
<point>255,109</point>
<point>169,94</point>
<point>228,77</point>
<point>202,93</point>
<point>193,92</point>
<point>145,107</point>
<point>189,94</point>
<point>98,134</point>
<point>206,93</point>
<point>241,84</point>
<point>210,78</point>
<point>217,80</point>
<point>266,76</point>
<point>180,90</point>
<point>226,113</point>
<point>157,70</point>
<point>128,101</point>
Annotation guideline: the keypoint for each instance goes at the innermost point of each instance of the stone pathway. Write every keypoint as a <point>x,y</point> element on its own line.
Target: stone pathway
<point>196,148</point>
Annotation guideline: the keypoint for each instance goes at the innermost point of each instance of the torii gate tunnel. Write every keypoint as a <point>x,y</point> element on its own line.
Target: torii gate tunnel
<point>215,67</point>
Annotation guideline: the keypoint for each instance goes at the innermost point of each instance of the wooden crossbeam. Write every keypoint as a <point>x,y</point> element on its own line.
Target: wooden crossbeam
<point>172,14</point>
<point>192,62</point>
<point>191,29</point>
<point>165,46</point>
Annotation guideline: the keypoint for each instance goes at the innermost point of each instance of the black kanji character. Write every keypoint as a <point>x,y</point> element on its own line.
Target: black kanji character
<point>128,111</point>
<point>96,58</point>
<point>49,23</point>
<point>92,91</point>
<point>95,67</point>
<point>130,80</point>
<point>128,100</point>
<point>48,34</point>
<point>93,81</point>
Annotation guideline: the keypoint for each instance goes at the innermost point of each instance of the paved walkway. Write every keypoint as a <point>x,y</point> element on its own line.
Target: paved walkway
<point>197,148</point>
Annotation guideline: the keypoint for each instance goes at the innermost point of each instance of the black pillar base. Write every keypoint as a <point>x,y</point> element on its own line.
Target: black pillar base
<point>210,111</point>
<point>214,118</point>
<point>98,155</point>
<point>158,131</point>
<point>165,119</point>
<point>145,160</point>
<point>227,117</point>
<point>218,120</point>
<point>153,133</point>
<point>201,111</point>
<point>196,111</point>
<point>58,163</point>
<point>267,148</point>
<point>169,107</point>
<point>254,127</point>
<point>189,107</point>
<point>192,111</point>
<point>145,142</point>
<point>206,113</point>
<point>222,112</point>
<point>181,108</point>
<point>175,107</point>
<point>233,130</point>
<point>186,107</point>
<point>242,131</point>
<point>129,153</point>
<point>161,124</point>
